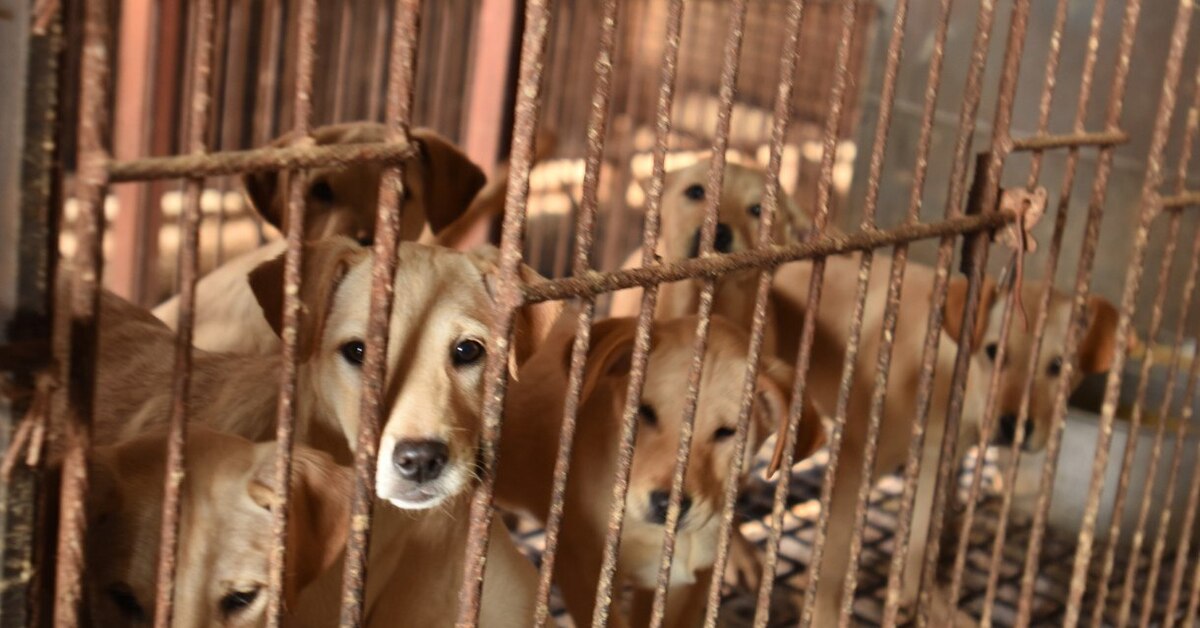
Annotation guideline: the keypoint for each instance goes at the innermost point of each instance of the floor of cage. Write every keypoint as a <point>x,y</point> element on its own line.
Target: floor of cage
<point>1053,579</point>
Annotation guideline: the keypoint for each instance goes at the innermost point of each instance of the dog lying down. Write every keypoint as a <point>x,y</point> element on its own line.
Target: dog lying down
<point>530,444</point>
<point>224,535</point>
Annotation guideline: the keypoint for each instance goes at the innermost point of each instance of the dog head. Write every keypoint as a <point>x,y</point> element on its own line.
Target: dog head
<point>660,414</point>
<point>739,211</point>
<point>438,342</point>
<point>439,183</point>
<point>1097,347</point>
<point>225,522</point>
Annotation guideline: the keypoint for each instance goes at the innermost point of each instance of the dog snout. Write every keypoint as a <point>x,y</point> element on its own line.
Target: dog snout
<point>723,243</point>
<point>420,461</point>
<point>660,502</point>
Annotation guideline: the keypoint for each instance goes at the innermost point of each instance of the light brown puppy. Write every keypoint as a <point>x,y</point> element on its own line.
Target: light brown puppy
<point>440,183</point>
<point>529,447</point>
<point>225,523</point>
<point>739,213</point>
<point>789,297</point>
<point>438,339</point>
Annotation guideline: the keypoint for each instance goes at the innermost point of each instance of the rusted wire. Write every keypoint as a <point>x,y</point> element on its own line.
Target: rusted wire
<point>779,126</point>
<point>708,234</point>
<point>1079,139</point>
<point>507,300</point>
<point>401,73</point>
<point>585,228</point>
<point>1183,198</point>
<point>1153,177</point>
<point>268,72</point>
<point>199,107</point>
<point>91,181</point>
<point>285,415</point>
<point>297,157</point>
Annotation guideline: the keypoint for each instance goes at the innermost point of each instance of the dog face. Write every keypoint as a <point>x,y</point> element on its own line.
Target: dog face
<point>660,414</point>
<point>438,344</point>
<point>225,542</point>
<point>739,211</point>
<point>1096,350</point>
<point>439,183</point>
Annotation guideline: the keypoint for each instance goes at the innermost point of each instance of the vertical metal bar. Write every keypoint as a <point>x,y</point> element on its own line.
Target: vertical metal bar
<point>1153,177</point>
<point>401,73</point>
<point>91,181</point>
<point>507,300</point>
<point>265,102</point>
<point>779,126</point>
<point>375,95</point>
<point>708,233</point>
<point>341,87</point>
<point>197,115</point>
<point>285,414</point>
<point>597,131</point>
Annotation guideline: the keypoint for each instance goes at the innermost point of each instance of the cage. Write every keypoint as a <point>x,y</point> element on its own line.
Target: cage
<point>997,169</point>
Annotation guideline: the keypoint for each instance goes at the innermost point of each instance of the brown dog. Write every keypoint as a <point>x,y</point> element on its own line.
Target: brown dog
<point>789,297</point>
<point>530,443</point>
<point>440,183</point>
<point>224,535</point>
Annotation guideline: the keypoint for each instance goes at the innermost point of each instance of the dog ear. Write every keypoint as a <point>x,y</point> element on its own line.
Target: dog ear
<point>771,407</point>
<point>956,304</point>
<point>610,352</point>
<point>266,190</point>
<point>319,510</point>
<point>451,180</point>
<point>1099,345</point>
<point>324,265</point>
<point>533,322</point>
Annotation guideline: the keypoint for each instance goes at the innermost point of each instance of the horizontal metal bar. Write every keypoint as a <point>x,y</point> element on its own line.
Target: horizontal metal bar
<point>258,160</point>
<point>1181,200</point>
<point>1070,140</point>
<point>595,283</point>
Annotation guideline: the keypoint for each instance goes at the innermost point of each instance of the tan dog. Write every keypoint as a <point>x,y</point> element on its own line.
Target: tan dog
<point>739,213</point>
<point>438,341</point>
<point>225,524</point>
<point>440,183</point>
<point>529,447</point>
<point>789,299</point>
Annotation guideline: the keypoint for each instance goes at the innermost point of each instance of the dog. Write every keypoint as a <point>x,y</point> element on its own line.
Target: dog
<point>440,183</point>
<point>227,500</point>
<point>739,210</point>
<point>438,339</point>
<point>530,445</point>
<point>789,299</point>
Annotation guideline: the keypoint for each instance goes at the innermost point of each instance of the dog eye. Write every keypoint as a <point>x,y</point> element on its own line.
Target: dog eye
<point>1055,367</point>
<point>467,352</point>
<point>648,415</point>
<point>126,601</point>
<point>354,352</point>
<point>755,210</point>
<point>365,240</point>
<point>723,433</point>
<point>991,351</point>
<point>321,191</point>
<point>238,601</point>
<point>694,192</point>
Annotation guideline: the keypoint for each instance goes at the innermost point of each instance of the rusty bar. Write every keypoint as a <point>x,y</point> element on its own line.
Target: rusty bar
<point>379,47</point>
<point>406,30</point>
<point>593,283</point>
<point>1042,319</point>
<point>708,234</point>
<point>341,89</point>
<point>507,300</point>
<point>597,131</point>
<point>1043,141</point>
<point>1040,140</point>
<point>933,333</point>
<point>268,73</point>
<point>1135,424</point>
<point>1189,519</point>
<point>779,126</point>
<point>285,414</point>
<point>1124,326</point>
<point>198,101</point>
<point>91,180</point>
<point>260,159</point>
<point>1181,199</point>
<point>895,285</point>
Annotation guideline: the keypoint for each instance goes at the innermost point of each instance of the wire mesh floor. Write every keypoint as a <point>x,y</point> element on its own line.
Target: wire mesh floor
<point>737,609</point>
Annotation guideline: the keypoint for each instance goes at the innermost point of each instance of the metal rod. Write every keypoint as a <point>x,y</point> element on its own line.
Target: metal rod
<point>393,151</point>
<point>1043,141</point>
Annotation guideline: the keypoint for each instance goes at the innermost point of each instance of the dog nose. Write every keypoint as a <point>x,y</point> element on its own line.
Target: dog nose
<point>724,241</point>
<point>660,502</point>
<point>1008,429</point>
<point>420,460</point>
